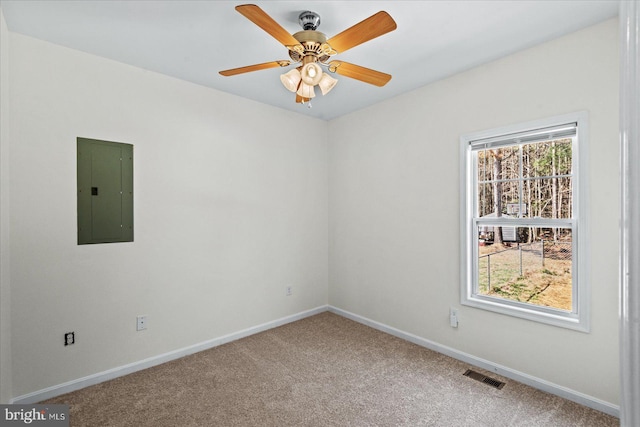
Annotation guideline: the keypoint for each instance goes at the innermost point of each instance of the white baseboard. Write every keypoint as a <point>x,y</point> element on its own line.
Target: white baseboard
<point>119,371</point>
<point>521,377</point>
<point>110,374</point>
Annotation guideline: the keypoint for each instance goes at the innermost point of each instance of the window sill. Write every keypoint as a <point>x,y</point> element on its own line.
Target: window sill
<point>551,317</point>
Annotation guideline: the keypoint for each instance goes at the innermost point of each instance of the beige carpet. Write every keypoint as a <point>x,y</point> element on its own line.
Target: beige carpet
<point>324,370</point>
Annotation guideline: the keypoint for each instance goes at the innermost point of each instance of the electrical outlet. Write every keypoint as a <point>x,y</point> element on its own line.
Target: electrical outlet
<point>453,317</point>
<point>69,338</point>
<point>289,291</point>
<point>141,324</point>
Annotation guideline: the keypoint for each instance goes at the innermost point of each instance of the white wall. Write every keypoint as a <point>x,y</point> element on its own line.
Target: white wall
<point>230,207</point>
<point>394,183</point>
<point>5,288</point>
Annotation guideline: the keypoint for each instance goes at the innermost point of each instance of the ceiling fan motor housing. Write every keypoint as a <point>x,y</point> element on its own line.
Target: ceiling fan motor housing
<point>312,42</point>
<point>309,20</point>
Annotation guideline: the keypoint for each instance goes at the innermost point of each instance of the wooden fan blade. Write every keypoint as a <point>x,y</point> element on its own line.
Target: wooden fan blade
<point>357,72</point>
<point>256,67</point>
<point>301,100</point>
<point>259,17</point>
<point>372,27</point>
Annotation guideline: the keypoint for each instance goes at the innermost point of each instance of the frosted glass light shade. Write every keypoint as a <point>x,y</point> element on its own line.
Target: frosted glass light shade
<point>326,83</point>
<point>311,73</point>
<point>306,91</point>
<point>291,79</point>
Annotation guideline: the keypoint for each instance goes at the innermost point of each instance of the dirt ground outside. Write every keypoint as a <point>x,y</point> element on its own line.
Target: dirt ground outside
<point>536,273</point>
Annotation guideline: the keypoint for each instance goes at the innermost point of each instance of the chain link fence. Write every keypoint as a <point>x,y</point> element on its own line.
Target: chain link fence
<point>518,261</point>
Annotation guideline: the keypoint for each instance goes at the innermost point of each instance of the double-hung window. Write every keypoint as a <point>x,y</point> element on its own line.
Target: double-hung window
<point>523,221</point>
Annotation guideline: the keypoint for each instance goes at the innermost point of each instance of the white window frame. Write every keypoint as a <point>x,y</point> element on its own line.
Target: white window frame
<point>579,317</point>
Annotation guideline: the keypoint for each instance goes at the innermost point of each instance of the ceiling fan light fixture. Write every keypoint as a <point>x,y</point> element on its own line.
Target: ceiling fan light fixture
<point>311,73</point>
<point>301,100</point>
<point>291,79</point>
<point>306,91</point>
<point>326,83</point>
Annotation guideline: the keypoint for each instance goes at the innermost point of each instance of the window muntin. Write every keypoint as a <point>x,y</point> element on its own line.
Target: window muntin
<point>523,185</point>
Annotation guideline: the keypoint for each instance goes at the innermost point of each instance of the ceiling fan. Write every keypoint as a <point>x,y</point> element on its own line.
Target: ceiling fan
<point>311,49</point>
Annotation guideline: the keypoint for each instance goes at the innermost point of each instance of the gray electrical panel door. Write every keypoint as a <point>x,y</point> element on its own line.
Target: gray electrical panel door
<point>105,191</point>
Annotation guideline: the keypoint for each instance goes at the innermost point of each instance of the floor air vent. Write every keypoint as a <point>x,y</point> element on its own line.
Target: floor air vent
<point>484,379</point>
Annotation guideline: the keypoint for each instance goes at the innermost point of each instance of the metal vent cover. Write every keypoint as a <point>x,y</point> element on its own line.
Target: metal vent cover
<point>484,379</point>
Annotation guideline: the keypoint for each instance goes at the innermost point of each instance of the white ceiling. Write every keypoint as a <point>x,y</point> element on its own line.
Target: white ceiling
<point>193,40</point>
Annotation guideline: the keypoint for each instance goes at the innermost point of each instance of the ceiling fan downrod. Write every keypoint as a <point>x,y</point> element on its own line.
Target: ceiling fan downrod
<point>309,20</point>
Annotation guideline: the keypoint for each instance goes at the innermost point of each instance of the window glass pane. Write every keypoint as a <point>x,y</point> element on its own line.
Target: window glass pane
<point>485,165</point>
<point>548,198</point>
<point>485,199</point>
<point>498,164</point>
<point>508,159</point>
<point>510,198</point>
<point>533,265</point>
<point>505,195</point>
<point>548,158</point>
